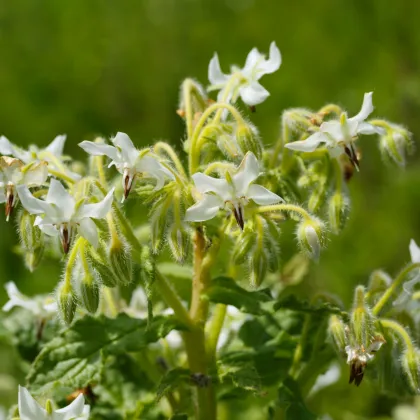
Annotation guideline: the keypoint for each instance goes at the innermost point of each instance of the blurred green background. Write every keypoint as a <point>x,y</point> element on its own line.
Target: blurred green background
<point>97,67</point>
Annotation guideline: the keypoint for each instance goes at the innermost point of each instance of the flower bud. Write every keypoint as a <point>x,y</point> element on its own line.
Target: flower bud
<point>379,281</point>
<point>300,119</point>
<point>361,320</point>
<point>248,140</point>
<point>100,264</point>
<point>337,212</point>
<point>89,291</point>
<point>147,269</point>
<point>337,330</point>
<point>194,92</point>
<point>410,363</point>
<point>243,245</point>
<point>396,143</point>
<point>317,198</point>
<point>310,237</point>
<point>258,267</point>
<point>179,242</point>
<point>32,240</point>
<point>229,147</point>
<point>66,302</point>
<point>120,260</point>
<point>158,224</point>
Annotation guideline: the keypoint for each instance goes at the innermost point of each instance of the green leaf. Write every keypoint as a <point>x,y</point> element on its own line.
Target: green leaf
<point>320,308</point>
<point>242,374</point>
<point>289,397</point>
<point>75,357</point>
<point>172,379</point>
<point>175,270</point>
<point>225,290</point>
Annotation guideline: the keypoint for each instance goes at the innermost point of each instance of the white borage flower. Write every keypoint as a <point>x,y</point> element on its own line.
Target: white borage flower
<point>233,193</point>
<point>40,306</point>
<point>129,161</point>
<point>62,215</point>
<point>53,154</point>
<point>414,252</point>
<point>339,135</point>
<point>13,172</point>
<point>244,82</point>
<point>29,409</point>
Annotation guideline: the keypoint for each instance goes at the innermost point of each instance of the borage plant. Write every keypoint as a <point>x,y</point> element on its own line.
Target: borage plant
<point>164,316</point>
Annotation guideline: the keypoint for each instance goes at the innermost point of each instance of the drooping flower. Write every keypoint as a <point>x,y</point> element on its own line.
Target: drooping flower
<point>244,82</point>
<point>339,135</point>
<point>61,215</point>
<point>232,193</point>
<point>13,173</point>
<point>53,154</point>
<point>29,409</point>
<point>42,307</point>
<point>129,161</point>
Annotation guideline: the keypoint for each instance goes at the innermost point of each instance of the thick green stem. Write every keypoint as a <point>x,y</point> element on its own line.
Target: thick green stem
<point>285,207</point>
<point>400,331</point>
<point>393,288</point>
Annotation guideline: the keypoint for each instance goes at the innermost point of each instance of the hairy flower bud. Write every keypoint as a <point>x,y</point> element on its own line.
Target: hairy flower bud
<point>310,237</point>
<point>179,242</point>
<point>379,281</point>
<point>120,260</point>
<point>410,363</point>
<point>300,119</point>
<point>361,320</point>
<point>337,329</point>
<point>32,240</point>
<point>243,245</point>
<point>396,143</point>
<point>66,302</point>
<point>89,291</point>
<point>337,212</point>
<point>248,140</point>
<point>258,265</point>
<point>100,263</point>
<point>229,147</point>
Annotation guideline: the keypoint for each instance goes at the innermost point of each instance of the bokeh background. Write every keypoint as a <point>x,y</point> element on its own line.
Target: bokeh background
<point>97,67</point>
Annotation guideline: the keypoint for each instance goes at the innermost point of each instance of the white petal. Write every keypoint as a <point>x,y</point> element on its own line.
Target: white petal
<point>57,145</point>
<point>128,151</point>
<point>61,198</point>
<point>205,183</point>
<point>414,252</point>
<point>252,59</point>
<point>29,409</point>
<point>216,77</point>
<point>32,204</point>
<point>48,229</point>
<point>273,63</point>
<point>248,172</point>
<point>37,174</point>
<point>366,110</point>
<point>313,241</point>
<point>96,210</point>
<point>253,94</point>
<point>98,149</point>
<point>262,196</point>
<point>88,229</point>
<point>75,409</point>
<point>205,209</point>
<point>366,128</point>
<point>6,147</point>
<point>308,145</point>
<point>334,129</point>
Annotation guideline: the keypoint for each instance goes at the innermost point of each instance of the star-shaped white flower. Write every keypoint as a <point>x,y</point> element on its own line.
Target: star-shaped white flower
<point>339,135</point>
<point>244,82</point>
<point>42,307</point>
<point>29,409</point>
<point>53,154</point>
<point>233,193</point>
<point>129,161</point>
<point>13,173</point>
<point>62,215</point>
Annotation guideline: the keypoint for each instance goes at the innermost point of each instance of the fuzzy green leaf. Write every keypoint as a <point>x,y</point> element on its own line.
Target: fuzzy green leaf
<point>320,308</point>
<point>225,290</point>
<point>75,357</point>
<point>172,380</point>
